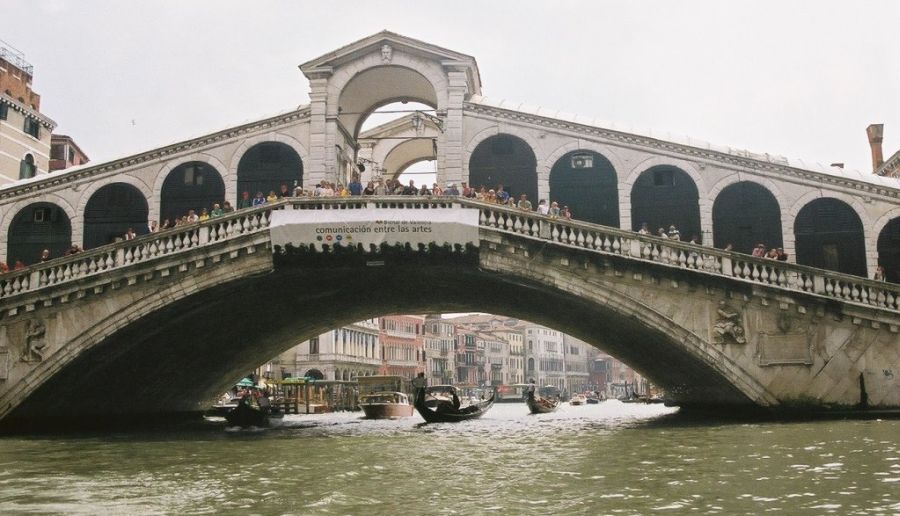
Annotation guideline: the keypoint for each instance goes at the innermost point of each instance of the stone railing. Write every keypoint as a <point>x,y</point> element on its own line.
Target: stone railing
<point>570,233</point>
<point>683,255</point>
<point>104,259</point>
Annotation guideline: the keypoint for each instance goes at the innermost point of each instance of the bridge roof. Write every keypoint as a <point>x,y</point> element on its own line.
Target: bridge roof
<point>686,141</point>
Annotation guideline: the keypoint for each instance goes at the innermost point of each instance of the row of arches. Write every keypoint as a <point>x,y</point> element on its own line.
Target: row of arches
<point>828,232</point>
<point>116,207</point>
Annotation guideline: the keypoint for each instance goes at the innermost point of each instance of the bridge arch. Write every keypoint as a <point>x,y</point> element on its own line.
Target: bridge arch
<point>665,195</point>
<point>222,299</point>
<point>406,154</point>
<point>110,211</point>
<point>632,176</point>
<point>888,245</point>
<point>830,234</point>
<point>503,158</point>
<point>746,213</point>
<point>266,166</point>
<point>231,188</point>
<point>591,192</point>
<point>189,184</point>
<point>35,227</point>
<point>369,72</point>
<point>10,211</point>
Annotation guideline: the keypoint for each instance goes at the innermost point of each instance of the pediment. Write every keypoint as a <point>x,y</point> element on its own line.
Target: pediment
<point>374,43</point>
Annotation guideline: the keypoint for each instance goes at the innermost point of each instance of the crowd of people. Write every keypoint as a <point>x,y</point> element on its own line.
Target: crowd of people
<point>394,187</point>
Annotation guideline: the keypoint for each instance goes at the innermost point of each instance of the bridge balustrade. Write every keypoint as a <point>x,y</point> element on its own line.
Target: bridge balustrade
<point>567,233</point>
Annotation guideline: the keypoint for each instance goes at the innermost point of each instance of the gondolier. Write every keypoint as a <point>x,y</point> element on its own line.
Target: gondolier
<point>419,383</point>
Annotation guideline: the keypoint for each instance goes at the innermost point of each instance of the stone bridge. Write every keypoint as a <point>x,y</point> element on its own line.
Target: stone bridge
<point>165,322</point>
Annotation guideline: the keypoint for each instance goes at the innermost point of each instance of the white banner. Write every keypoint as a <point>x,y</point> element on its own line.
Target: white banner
<point>374,226</point>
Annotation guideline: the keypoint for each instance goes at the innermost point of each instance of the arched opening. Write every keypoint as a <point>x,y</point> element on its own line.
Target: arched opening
<point>190,186</point>
<point>746,214</point>
<point>664,196</point>
<point>27,168</point>
<point>380,86</point>
<point>585,181</point>
<point>423,172</point>
<point>505,160</point>
<point>889,250</point>
<point>110,211</point>
<point>403,138</point>
<point>36,227</point>
<point>315,374</point>
<point>265,167</point>
<point>829,235</point>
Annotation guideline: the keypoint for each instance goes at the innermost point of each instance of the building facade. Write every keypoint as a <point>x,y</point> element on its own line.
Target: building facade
<point>24,131</point>
<point>402,345</point>
<point>340,354</point>
<point>440,350</point>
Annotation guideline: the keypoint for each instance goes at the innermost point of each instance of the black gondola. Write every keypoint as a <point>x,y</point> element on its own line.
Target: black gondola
<point>249,413</point>
<point>540,405</point>
<point>450,412</point>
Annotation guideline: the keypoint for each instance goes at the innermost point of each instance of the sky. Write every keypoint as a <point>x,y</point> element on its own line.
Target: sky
<point>800,79</point>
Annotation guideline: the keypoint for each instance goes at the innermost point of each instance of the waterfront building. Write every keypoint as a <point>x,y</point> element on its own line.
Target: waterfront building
<point>340,354</point>
<point>65,153</point>
<point>545,359</point>
<point>496,356</point>
<point>24,131</point>
<point>577,363</point>
<point>440,350</point>
<point>514,367</point>
<point>402,345</point>
<point>469,358</point>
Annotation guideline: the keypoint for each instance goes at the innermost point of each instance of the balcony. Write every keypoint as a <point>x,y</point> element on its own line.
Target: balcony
<point>338,357</point>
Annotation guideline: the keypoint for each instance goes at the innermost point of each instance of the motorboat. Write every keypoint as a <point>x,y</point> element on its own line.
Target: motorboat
<point>578,399</point>
<point>449,411</point>
<point>386,405</point>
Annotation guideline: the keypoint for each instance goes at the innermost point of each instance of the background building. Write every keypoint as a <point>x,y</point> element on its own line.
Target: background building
<point>402,345</point>
<point>24,131</point>
<point>340,354</point>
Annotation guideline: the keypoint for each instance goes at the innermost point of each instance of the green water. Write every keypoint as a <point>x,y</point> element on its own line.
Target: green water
<point>610,458</point>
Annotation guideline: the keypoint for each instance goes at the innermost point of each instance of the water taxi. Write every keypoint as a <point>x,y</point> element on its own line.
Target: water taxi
<point>578,399</point>
<point>384,397</point>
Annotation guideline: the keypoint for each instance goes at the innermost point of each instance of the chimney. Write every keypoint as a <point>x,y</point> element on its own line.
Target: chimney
<point>876,135</point>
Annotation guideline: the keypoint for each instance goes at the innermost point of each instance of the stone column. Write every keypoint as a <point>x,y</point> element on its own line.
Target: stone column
<point>450,152</point>
<point>315,169</point>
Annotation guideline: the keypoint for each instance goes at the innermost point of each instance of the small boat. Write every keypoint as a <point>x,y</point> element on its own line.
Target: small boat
<point>386,405</point>
<point>541,405</point>
<point>251,411</point>
<point>593,401</point>
<point>449,411</point>
<point>578,399</point>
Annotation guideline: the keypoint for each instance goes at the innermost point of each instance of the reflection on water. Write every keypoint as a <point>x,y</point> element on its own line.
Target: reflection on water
<point>610,458</point>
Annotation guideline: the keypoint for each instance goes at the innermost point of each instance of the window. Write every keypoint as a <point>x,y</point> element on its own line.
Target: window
<point>4,111</point>
<point>664,177</point>
<point>314,346</point>
<point>41,215</point>
<point>582,161</point>
<point>27,167</point>
<point>32,127</point>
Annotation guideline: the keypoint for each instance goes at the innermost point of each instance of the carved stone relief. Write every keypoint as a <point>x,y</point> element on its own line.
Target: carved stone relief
<point>35,341</point>
<point>729,326</point>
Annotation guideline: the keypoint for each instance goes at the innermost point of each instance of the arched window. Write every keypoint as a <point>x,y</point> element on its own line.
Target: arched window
<point>266,166</point>
<point>663,196</point>
<point>190,186</point>
<point>110,211</point>
<point>746,214</point>
<point>585,181</point>
<point>505,160</point>
<point>829,235</point>
<point>37,227</point>
<point>315,374</point>
<point>27,168</point>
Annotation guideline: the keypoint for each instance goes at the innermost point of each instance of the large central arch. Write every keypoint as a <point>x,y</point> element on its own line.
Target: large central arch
<point>220,329</point>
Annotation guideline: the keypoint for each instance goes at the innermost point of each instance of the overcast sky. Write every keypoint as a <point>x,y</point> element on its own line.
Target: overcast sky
<point>799,79</point>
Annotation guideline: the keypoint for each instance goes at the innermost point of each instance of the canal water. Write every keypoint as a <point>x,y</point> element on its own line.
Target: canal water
<point>611,458</point>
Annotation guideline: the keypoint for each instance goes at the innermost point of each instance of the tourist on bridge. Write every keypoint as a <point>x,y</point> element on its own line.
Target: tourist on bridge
<point>129,235</point>
<point>227,208</point>
<point>674,234</point>
<point>204,215</point>
<point>245,201</point>
<point>759,251</point>
<point>272,197</point>
<point>192,217</point>
<point>554,210</point>
<point>259,200</point>
<point>355,187</point>
<point>369,189</point>
<point>45,255</point>
<point>451,191</point>
<point>543,208</point>
<point>502,195</point>
<point>467,191</point>
<point>524,204</point>
<point>436,190</point>
<point>565,213</point>
<point>424,191</point>
<point>661,233</point>
<point>411,189</point>
<point>645,230</point>
<point>216,211</point>
<point>284,191</point>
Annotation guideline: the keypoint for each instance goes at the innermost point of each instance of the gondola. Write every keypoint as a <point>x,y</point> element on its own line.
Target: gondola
<point>447,412</point>
<point>539,405</point>
<point>248,413</point>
